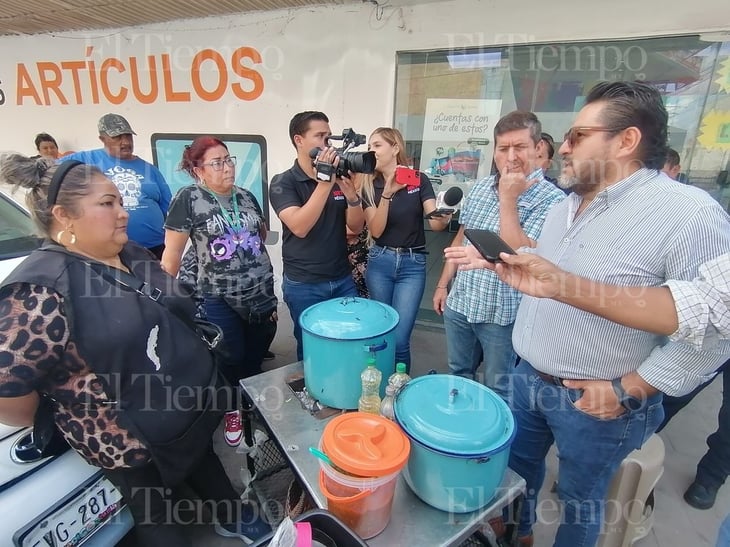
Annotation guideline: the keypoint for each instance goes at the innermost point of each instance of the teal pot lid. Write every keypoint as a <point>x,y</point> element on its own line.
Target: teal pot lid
<point>349,319</point>
<point>454,415</point>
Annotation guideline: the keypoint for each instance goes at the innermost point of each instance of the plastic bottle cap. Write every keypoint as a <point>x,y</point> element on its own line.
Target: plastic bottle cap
<point>400,367</point>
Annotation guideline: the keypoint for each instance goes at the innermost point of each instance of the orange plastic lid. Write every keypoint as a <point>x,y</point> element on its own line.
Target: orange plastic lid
<point>365,444</point>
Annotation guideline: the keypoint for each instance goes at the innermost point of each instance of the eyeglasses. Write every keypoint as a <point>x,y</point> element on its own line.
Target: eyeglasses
<point>217,165</point>
<point>575,134</point>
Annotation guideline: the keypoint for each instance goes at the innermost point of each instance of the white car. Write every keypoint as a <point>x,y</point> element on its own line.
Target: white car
<point>53,501</point>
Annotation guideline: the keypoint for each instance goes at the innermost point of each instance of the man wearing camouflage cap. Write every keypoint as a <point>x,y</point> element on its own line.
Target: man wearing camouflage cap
<point>143,188</point>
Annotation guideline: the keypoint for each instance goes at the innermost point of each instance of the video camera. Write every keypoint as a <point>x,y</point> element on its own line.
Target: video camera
<point>357,162</point>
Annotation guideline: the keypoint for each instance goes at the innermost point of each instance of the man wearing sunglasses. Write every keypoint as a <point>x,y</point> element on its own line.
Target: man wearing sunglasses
<point>589,385</point>
<point>144,191</point>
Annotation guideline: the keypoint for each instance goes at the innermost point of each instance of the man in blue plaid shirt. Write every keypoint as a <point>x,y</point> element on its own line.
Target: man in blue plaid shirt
<point>480,309</point>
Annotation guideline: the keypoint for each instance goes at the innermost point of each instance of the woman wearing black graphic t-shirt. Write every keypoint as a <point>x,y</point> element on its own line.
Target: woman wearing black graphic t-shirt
<point>227,230</point>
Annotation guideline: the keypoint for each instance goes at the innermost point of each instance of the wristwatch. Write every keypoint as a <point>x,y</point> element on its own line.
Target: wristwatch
<point>627,401</point>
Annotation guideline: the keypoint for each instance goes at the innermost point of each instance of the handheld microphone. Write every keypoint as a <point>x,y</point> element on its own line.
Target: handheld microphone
<point>446,203</point>
<point>452,196</point>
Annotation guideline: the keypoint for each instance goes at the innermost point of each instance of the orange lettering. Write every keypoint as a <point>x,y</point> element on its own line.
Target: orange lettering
<point>93,82</point>
<point>25,87</point>
<point>104,75</point>
<point>144,98</point>
<point>74,67</point>
<point>198,60</point>
<point>248,73</point>
<point>170,94</point>
<point>50,83</point>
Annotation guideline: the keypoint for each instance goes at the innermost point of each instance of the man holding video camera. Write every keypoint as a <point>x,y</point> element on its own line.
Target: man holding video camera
<point>314,201</point>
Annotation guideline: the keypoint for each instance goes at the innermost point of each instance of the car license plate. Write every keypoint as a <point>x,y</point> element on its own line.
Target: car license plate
<point>74,519</point>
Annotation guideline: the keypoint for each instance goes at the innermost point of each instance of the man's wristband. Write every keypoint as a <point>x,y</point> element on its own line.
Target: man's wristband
<point>629,402</point>
<point>355,202</point>
<point>442,286</point>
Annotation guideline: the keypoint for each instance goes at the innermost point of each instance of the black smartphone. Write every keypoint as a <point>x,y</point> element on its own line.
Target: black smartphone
<point>488,244</point>
<point>439,212</point>
<point>296,385</point>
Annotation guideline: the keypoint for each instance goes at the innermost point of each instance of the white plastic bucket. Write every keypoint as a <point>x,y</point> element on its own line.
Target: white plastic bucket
<point>362,503</point>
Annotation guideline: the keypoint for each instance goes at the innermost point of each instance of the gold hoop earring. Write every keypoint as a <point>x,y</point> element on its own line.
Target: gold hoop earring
<point>59,235</point>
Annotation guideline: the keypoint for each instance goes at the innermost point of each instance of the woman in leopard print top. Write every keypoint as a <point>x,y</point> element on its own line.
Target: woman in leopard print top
<point>66,334</point>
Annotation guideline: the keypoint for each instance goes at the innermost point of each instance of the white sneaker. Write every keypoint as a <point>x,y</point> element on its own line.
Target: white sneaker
<point>233,432</point>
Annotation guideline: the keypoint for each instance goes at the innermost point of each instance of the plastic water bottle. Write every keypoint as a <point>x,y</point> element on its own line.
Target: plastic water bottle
<point>370,397</point>
<point>399,378</point>
<point>387,406</point>
<point>396,381</point>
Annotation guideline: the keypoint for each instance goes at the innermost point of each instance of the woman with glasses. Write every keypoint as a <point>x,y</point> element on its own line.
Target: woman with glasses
<point>227,230</point>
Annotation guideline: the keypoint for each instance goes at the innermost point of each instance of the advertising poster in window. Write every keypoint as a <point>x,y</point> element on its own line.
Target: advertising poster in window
<point>457,140</point>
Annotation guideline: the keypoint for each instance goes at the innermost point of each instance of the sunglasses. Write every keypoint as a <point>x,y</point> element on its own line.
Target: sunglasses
<point>576,134</point>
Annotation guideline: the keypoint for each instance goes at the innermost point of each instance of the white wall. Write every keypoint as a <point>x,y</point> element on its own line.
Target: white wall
<point>339,59</point>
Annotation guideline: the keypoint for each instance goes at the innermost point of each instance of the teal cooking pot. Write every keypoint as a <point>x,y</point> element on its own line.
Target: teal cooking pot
<point>338,337</point>
<point>460,433</point>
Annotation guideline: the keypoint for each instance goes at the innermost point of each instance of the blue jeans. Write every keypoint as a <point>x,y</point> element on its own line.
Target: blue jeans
<point>299,296</point>
<point>398,279</point>
<point>245,342</point>
<point>590,451</point>
<point>467,343</point>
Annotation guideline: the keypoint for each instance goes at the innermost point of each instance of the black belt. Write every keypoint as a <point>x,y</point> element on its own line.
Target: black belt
<point>550,379</point>
<point>406,250</point>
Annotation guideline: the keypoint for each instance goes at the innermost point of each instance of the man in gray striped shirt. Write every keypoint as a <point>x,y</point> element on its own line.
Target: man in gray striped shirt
<point>696,313</point>
<point>588,384</point>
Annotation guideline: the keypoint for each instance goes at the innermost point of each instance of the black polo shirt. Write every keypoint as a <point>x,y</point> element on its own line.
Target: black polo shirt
<point>322,254</point>
<point>404,227</point>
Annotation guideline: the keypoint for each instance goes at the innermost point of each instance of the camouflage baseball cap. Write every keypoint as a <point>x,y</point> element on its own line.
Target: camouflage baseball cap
<point>114,125</point>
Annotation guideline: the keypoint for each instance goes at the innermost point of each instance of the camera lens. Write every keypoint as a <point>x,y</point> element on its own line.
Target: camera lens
<point>357,162</point>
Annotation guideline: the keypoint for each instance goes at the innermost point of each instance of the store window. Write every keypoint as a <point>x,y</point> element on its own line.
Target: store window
<point>447,102</point>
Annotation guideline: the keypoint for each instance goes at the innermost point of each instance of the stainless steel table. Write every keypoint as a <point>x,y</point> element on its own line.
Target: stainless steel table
<point>412,521</point>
